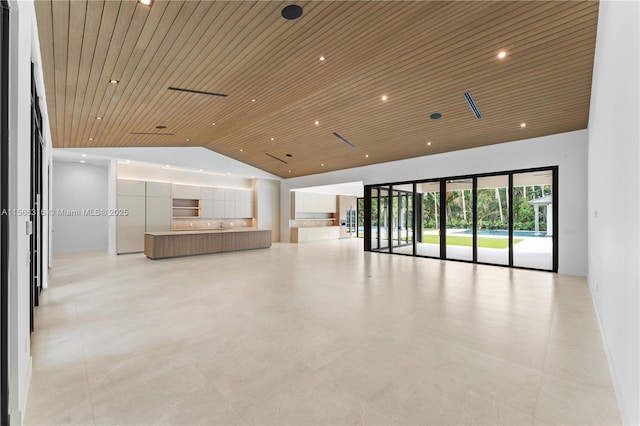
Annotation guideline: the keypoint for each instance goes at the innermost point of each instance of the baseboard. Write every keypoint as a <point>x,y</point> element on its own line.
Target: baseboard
<point>622,406</point>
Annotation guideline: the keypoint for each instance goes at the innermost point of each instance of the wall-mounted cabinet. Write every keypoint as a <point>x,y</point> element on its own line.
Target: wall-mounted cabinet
<point>186,192</point>
<point>309,202</point>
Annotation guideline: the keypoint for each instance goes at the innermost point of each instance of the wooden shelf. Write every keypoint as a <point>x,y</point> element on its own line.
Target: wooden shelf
<point>185,208</point>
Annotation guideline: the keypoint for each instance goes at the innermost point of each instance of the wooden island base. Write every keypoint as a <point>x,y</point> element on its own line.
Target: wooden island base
<point>160,245</point>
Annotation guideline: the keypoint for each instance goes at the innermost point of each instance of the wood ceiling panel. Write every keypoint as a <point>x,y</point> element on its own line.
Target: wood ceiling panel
<point>422,55</point>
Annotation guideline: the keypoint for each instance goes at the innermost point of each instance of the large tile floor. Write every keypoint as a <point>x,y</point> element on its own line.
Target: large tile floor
<point>315,333</point>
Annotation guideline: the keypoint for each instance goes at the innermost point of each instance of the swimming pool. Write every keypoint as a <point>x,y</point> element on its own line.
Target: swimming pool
<point>503,233</point>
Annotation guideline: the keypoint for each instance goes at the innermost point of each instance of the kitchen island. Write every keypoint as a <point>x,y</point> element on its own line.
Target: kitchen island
<point>160,245</point>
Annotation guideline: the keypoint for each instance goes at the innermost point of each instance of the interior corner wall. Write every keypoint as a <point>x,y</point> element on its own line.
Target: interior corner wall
<point>614,190</point>
<point>80,207</point>
<point>23,50</point>
<point>568,151</point>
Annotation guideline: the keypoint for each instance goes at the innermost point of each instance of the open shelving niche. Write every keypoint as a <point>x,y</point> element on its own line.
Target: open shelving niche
<point>182,207</point>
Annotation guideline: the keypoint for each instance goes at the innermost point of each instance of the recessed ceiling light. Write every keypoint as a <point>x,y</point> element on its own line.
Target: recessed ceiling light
<point>200,170</point>
<point>289,171</point>
<point>272,139</point>
<point>502,54</point>
<point>366,155</point>
<point>113,81</point>
<point>384,97</point>
<point>84,155</point>
<point>435,116</point>
<point>82,161</point>
<point>145,2</point>
<point>429,143</point>
<point>166,166</point>
<point>98,118</point>
<point>253,100</point>
<point>317,123</point>
<point>293,11</point>
<point>322,58</point>
<point>187,140</point>
<point>241,150</point>
<point>90,139</point>
<point>213,124</point>
<point>322,164</point>
<point>523,124</point>
<point>228,174</point>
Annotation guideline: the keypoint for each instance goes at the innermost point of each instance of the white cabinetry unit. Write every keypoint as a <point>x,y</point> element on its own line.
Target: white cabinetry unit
<point>206,208</point>
<point>130,227</point>
<point>299,235</point>
<point>308,202</point>
<point>206,202</point>
<point>158,207</point>
<point>187,192</point>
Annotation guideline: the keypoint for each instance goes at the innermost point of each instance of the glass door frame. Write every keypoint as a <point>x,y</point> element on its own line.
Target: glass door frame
<point>442,211</point>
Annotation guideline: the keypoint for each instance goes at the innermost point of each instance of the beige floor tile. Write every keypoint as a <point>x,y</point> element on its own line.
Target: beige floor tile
<point>317,333</point>
<point>314,401</point>
<point>563,401</point>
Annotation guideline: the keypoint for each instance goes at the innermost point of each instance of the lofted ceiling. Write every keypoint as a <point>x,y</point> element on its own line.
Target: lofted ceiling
<point>284,104</point>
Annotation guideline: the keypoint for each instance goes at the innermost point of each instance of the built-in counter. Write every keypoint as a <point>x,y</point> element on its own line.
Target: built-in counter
<point>314,233</point>
<point>159,245</point>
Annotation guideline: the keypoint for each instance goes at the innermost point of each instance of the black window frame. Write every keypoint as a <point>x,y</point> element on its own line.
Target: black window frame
<point>473,177</point>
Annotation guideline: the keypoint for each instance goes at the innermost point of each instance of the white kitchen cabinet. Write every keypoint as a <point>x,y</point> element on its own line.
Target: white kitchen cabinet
<point>130,227</point>
<point>158,214</point>
<point>230,194</point>
<point>131,187</point>
<point>188,192</point>
<point>242,195</point>
<point>206,193</point>
<point>218,209</point>
<point>230,209</point>
<point>314,233</point>
<point>158,189</point>
<point>244,209</point>
<point>218,194</point>
<point>206,209</point>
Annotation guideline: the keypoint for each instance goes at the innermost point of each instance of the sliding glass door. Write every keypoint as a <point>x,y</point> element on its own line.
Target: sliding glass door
<point>492,227</point>
<point>507,218</point>
<point>459,219</point>
<point>428,223</point>
<point>533,219</point>
<point>402,218</point>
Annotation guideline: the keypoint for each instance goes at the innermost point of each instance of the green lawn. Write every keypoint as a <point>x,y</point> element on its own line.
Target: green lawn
<point>459,240</point>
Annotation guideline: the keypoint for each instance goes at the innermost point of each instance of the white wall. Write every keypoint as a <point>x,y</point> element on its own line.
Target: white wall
<point>78,187</point>
<point>614,189</point>
<point>568,151</point>
<point>23,48</point>
<point>267,206</point>
<point>189,157</point>
<point>158,173</point>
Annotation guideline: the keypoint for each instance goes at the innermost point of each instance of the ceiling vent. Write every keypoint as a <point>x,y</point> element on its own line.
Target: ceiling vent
<point>276,158</point>
<point>152,133</point>
<point>343,140</point>
<point>199,92</point>
<point>472,105</point>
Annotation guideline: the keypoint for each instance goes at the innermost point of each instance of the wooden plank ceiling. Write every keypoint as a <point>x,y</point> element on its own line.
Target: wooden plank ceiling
<point>283,100</point>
